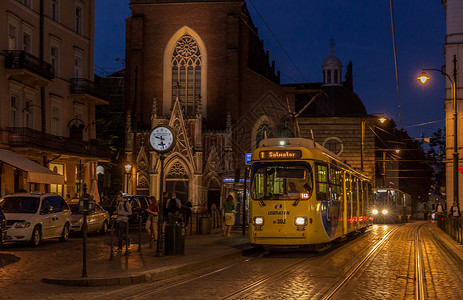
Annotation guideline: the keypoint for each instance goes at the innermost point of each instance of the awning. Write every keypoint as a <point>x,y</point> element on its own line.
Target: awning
<point>35,172</point>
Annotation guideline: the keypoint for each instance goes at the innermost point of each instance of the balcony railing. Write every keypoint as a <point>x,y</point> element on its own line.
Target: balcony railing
<point>19,59</point>
<point>27,137</point>
<point>85,86</point>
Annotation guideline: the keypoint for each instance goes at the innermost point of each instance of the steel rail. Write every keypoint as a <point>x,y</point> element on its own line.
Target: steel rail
<point>359,265</point>
<point>420,281</point>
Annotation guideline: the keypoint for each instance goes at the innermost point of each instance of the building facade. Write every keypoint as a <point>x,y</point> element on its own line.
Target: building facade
<point>207,76</point>
<point>453,48</point>
<point>48,95</point>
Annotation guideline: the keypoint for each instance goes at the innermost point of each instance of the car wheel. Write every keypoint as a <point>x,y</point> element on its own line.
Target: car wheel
<point>104,229</point>
<point>36,237</point>
<point>65,235</point>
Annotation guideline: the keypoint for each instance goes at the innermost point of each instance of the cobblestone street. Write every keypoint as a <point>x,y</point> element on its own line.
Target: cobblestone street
<point>389,273</point>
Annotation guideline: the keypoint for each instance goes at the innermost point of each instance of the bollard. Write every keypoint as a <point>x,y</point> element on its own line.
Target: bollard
<point>126,238</point>
<point>139,232</point>
<point>111,242</point>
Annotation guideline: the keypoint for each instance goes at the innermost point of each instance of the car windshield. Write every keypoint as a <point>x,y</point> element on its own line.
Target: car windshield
<point>23,205</point>
<point>75,208</point>
<point>284,181</point>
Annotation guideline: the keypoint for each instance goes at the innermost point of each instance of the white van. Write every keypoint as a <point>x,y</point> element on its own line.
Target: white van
<point>31,217</point>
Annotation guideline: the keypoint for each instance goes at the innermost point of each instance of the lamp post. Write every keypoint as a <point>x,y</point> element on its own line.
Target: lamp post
<point>128,168</point>
<point>423,78</point>
<point>382,119</point>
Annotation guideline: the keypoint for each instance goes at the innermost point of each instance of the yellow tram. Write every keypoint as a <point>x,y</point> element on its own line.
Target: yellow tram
<point>302,194</point>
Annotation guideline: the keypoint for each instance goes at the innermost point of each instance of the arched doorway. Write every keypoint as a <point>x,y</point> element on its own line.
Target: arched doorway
<point>177,181</point>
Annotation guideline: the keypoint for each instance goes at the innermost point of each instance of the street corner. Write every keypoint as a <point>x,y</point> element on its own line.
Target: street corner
<point>8,259</point>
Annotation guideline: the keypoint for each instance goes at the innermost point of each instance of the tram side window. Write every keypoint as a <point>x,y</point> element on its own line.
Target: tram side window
<point>322,182</point>
<point>336,184</point>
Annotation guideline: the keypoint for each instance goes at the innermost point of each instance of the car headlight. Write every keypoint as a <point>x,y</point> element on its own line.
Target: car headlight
<point>258,221</point>
<point>300,221</point>
<point>22,224</point>
<point>375,211</point>
<point>384,211</point>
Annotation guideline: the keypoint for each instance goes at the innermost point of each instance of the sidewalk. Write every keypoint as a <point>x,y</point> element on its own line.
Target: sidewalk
<point>446,241</point>
<point>138,267</point>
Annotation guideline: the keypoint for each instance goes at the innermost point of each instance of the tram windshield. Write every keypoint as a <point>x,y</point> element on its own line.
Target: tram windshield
<point>281,181</point>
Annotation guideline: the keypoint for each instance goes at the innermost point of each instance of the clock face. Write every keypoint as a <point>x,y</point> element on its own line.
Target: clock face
<point>162,138</point>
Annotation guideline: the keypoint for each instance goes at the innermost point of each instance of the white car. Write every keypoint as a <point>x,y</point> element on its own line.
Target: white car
<point>31,217</point>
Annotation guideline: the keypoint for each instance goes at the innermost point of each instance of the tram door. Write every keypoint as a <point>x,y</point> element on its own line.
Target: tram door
<point>349,202</point>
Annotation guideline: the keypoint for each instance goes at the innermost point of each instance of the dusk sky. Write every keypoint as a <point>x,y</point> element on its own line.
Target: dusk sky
<point>361,30</point>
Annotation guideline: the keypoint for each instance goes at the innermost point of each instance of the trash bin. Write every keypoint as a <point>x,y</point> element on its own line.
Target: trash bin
<point>175,239</point>
<point>205,225</point>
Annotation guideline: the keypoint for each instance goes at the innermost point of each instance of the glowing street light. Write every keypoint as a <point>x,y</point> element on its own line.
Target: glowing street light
<point>423,78</point>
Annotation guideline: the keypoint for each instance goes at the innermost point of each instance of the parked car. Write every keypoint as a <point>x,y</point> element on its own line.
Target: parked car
<point>97,221</point>
<point>32,217</point>
<point>2,228</point>
<point>138,203</point>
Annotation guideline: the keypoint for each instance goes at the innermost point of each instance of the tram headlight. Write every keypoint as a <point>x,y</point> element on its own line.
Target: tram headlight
<point>375,211</point>
<point>259,221</point>
<point>384,211</point>
<point>300,221</point>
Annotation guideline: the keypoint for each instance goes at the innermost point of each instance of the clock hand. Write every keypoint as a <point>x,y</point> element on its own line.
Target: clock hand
<point>159,137</point>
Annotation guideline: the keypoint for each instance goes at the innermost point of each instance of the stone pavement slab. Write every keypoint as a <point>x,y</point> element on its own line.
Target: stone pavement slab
<point>138,267</point>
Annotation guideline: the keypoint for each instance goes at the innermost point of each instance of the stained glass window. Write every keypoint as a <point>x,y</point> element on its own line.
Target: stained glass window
<point>186,73</point>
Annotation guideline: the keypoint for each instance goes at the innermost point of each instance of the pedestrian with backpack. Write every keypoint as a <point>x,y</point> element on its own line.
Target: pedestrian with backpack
<point>173,206</point>
<point>123,211</point>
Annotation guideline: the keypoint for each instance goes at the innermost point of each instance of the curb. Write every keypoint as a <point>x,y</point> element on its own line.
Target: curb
<point>147,276</point>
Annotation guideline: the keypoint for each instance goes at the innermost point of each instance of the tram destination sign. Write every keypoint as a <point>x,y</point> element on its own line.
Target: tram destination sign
<point>280,154</point>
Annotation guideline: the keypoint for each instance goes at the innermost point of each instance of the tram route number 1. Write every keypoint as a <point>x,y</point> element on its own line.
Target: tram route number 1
<point>279,221</point>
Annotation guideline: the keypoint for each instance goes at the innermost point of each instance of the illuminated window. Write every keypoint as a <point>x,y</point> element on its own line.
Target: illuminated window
<point>11,37</point>
<point>186,73</point>
<point>321,178</point>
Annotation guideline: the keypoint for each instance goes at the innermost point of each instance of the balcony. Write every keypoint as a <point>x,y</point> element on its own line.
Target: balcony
<point>27,137</point>
<point>26,68</point>
<point>84,88</point>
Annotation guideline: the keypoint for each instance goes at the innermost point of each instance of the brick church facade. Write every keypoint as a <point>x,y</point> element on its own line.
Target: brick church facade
<point>207,76</point>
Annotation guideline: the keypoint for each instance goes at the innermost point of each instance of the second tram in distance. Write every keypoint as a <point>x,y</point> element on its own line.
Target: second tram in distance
<point>390,205</point>
<point>302,194</point>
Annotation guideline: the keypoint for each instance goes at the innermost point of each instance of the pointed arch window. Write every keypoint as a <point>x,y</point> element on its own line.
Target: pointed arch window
<point>186,73</point>
<point>264,130</point>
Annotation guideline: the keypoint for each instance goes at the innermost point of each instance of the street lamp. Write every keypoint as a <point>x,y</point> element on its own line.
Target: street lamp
<point>128,168</point>
<point>382,119</point>
<point>423,78</point>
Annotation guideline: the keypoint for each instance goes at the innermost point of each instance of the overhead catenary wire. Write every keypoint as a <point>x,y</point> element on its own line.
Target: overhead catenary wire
<point>278,41</point>
<point>391,7</point>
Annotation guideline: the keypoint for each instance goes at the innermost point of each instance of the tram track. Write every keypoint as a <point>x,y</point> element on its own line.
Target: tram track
<point>339,285</point>
<point>246,290</point>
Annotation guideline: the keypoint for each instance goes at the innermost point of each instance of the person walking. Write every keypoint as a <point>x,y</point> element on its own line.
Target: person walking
<point>229,215</point>
<point>152,221</point>
<point>123,211</point>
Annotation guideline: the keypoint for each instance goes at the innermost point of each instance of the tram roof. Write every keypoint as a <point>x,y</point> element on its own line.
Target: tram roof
<point>308,144</point>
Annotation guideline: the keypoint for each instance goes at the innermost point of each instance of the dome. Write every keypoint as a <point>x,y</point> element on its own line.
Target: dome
<point>336,101</point>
